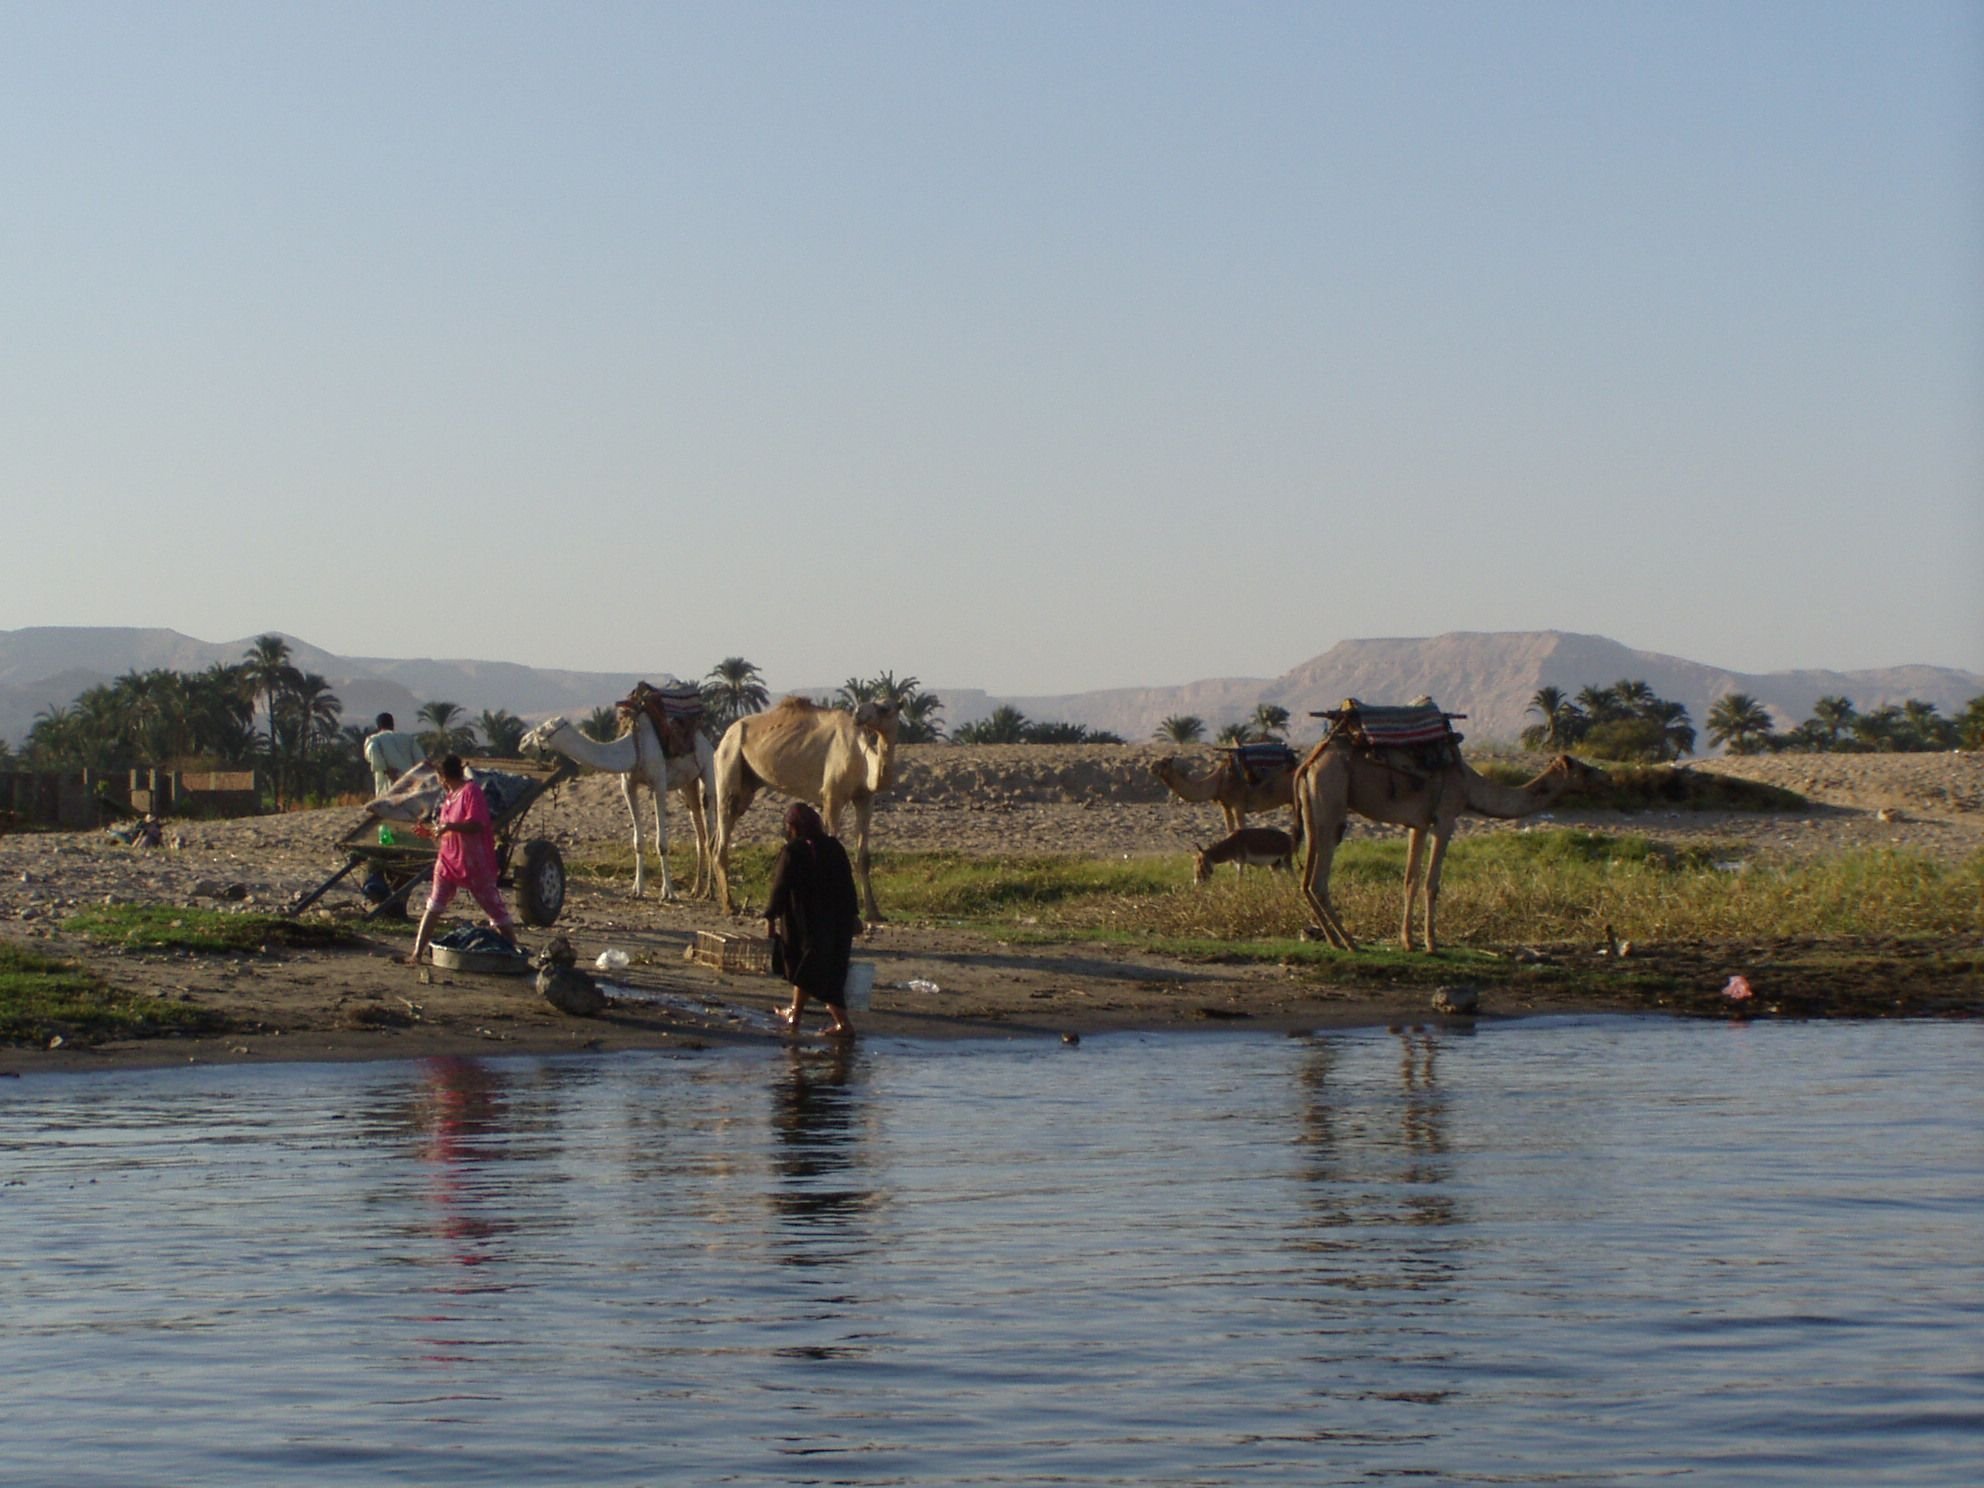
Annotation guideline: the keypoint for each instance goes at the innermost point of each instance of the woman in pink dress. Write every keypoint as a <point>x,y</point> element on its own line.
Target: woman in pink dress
<point>465,857</point>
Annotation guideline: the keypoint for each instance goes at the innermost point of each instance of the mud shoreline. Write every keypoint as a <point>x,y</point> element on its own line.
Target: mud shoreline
<point>358,1003</point>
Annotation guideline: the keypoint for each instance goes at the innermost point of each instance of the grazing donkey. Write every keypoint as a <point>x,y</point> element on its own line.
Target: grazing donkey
<point>1250,847</point>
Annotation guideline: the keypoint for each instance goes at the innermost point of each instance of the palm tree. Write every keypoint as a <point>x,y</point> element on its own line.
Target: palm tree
<point>602,724</point>
<point>1970,724</point>
<point>221,705</point>
<point>267,672</point>
<point>1563,722</point>
<point>1834,716</point>
<point>1007,725</point>
<point>502,732</point>
<point>1181,728</point>
<point>308,720</point>
<point>1677,730</point>
<point>52,737</point>
<point>1269,721</point>
<point>448,730</point>
<point>1923,727</point>
<point>1635,696</point>
<point>1739,723</point>
<point>317,711</point>
<point>1233,733</point>
<point>733,688</point>
<point>919,722</point>
<point>1876,731</point>
<point>1599,704</point>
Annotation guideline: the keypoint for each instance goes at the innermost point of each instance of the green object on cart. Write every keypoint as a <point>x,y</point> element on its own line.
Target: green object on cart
<point>386,837</point>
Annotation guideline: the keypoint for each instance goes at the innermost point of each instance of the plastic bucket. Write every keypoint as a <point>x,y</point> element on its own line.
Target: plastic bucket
<point>860,985</point>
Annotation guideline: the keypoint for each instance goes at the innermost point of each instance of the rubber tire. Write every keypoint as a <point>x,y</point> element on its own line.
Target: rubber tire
<point>540,881</point>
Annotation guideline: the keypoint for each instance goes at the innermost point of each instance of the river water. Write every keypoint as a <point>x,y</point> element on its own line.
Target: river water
<point>1587,1251</point>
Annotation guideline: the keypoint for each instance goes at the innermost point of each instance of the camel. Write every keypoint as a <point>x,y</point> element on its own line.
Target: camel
<point>826,757</point>
<point>1340,777</point>
<point>1230,787</point>
<point>638,759</point>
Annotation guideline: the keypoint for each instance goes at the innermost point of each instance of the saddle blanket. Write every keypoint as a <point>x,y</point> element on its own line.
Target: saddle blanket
<point>680,699</point>
<point>1387,727</point>
<point>1262,759</point>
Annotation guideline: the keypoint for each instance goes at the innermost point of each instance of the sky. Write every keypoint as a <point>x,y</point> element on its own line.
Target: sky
<point>1031,347</point>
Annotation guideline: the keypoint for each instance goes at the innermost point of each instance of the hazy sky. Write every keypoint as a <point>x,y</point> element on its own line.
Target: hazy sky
<point>1033,347</point>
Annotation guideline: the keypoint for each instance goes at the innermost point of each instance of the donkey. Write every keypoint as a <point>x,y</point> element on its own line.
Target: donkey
<point>1250,847</point>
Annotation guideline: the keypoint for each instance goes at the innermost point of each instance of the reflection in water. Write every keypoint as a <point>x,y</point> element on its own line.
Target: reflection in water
<point>1378,1165</point>
<point>823,1189</point>
<point>1210,1261</point>
<point>456,1113</point>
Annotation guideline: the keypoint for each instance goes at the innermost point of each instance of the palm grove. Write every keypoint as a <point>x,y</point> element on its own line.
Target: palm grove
<point>1626,721</point>
<point>265,712</point>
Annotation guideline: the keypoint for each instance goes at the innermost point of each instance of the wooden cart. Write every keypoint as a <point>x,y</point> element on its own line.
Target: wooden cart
<point>392,849</point>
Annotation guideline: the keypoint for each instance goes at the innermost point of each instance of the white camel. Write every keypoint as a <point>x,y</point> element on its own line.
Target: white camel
<point>639,760</point>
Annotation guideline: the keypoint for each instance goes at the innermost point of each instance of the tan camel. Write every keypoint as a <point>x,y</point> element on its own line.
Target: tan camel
<point>1229,786</point>
<point>824,756</point>
<point>1340,777</point>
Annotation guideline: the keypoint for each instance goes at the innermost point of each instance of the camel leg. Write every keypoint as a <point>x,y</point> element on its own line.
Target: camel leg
<point>1321,848</point>
<point>1415,850</point>
<point>727,809</point>
<point>1434,861</point>
<point>699,822</point>
<point>731,803</point>
<point>869,911</point>
<point>661,836</point>
<point>640,847</point>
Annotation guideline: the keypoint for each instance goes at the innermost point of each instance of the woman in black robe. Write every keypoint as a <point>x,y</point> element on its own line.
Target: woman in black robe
<point>816,913</point>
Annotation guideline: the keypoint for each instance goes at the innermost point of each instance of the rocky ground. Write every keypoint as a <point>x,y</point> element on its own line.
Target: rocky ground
<point>1098,800</point>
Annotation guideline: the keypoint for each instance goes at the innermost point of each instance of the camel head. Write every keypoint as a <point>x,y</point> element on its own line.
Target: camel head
<point>538,740</point>
<point>1165,769</point>
<point>882,718</point>
<point>1570,774</point>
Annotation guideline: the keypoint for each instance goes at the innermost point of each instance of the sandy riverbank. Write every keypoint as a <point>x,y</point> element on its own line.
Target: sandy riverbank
<point>357,1003</point>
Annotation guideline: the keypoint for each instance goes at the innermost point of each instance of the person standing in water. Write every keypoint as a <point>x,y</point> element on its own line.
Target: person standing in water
<point>815,910</point>
<point>465,857</point>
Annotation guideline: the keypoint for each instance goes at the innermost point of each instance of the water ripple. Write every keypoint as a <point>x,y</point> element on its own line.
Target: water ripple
<point>1586,1252</point>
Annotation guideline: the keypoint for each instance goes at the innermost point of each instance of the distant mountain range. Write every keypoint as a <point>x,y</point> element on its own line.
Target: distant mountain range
<point>1489,676</point>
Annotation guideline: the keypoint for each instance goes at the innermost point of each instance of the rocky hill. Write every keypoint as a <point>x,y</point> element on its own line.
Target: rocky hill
<point>1489,676</point>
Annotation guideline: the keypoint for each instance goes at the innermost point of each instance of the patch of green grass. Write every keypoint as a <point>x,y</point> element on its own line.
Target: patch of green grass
<point>1506,888</point>
<point>162,927</point>
<point>42,998</point>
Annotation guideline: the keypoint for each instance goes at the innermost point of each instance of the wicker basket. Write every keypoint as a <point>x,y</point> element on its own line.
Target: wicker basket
<point>728,952</point>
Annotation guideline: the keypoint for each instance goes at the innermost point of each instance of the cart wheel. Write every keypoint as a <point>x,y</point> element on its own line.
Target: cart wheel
<point>541,883</point>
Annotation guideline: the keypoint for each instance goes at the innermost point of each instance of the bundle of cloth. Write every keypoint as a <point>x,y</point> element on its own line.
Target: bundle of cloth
<point>419,793</point>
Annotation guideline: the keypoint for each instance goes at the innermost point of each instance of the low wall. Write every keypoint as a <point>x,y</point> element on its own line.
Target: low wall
<point>77,800</point>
